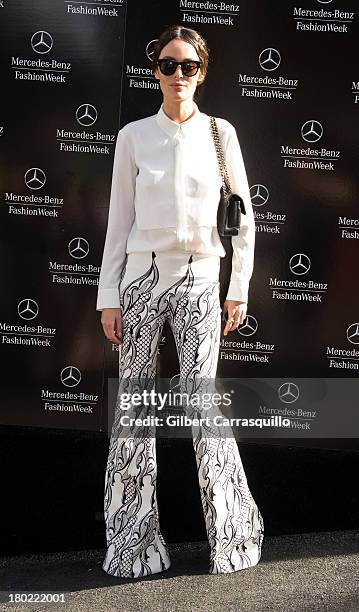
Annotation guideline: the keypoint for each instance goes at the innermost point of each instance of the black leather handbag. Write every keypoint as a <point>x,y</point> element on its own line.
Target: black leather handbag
<point>231,205</point>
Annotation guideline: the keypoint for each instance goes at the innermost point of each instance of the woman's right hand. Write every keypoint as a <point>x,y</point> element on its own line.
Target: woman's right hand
<point>111,320</point>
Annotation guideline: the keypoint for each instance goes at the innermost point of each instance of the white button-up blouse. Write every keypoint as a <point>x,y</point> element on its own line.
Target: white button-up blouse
<point>165,195</point>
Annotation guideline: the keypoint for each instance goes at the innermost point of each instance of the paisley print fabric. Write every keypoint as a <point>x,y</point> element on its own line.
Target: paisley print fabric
<point>184,290</point>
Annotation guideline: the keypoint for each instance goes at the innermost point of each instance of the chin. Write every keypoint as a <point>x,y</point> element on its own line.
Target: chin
<point>180,94</point>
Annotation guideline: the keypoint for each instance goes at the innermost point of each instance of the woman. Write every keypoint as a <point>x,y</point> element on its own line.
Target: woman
<point>163,250</point>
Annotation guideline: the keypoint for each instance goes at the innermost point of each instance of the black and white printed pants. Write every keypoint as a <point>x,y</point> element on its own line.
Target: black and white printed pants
<point>184,290</point>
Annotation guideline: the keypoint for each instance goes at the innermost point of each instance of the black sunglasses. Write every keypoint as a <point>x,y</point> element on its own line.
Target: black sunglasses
<point>188,67</point>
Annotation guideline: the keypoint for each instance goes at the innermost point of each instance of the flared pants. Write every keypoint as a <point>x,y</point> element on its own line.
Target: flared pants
<point>183,289</point>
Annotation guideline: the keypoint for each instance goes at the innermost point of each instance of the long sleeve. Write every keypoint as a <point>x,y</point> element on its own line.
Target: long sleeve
<point>120,220</point>
<point>243,244</point>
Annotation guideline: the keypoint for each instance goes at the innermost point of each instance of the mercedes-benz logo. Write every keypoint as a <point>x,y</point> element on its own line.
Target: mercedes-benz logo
<point>35,178</point>
<point>259,195</point>
<point>288,393</point>
<point>299,263</point>
<point>311,130</point>
<point>353,333</point>
<point>248,327</point>
<point>78,247</point>
<point>325,1</point>
<point>70,376</point>
<point>150,48</point>
<point>41,42</point>
<point>86,114</point>
<point>269,59</point>
<point>27,309</point>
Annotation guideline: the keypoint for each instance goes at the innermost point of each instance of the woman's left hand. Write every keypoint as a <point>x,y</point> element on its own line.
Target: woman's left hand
<point>237,311</point>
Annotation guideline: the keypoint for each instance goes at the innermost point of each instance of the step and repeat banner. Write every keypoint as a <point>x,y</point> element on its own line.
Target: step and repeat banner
<point>61,76</point>
<point>285,75</point>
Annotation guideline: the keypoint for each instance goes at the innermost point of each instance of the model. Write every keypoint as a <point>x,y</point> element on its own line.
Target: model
<point>161,261</point>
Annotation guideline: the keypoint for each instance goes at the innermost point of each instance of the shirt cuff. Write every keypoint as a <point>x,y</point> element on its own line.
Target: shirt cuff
<point>237,290</point>
<point>108,298</point>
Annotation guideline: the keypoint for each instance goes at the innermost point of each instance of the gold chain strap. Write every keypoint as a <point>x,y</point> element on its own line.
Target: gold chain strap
<point>220,157</point>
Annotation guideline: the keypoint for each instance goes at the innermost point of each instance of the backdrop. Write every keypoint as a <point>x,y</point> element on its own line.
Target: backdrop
<point>283,73</point>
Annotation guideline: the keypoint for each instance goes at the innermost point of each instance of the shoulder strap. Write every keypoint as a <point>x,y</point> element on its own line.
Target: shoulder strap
<point>220,156</point>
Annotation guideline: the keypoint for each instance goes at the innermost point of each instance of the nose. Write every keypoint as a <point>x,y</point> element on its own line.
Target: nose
<point>178,68</point>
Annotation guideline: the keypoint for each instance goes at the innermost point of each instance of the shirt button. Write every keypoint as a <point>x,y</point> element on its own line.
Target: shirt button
<point>177,138</point>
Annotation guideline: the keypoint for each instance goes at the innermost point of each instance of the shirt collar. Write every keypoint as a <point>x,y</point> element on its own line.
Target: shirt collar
<point>171,127</point>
